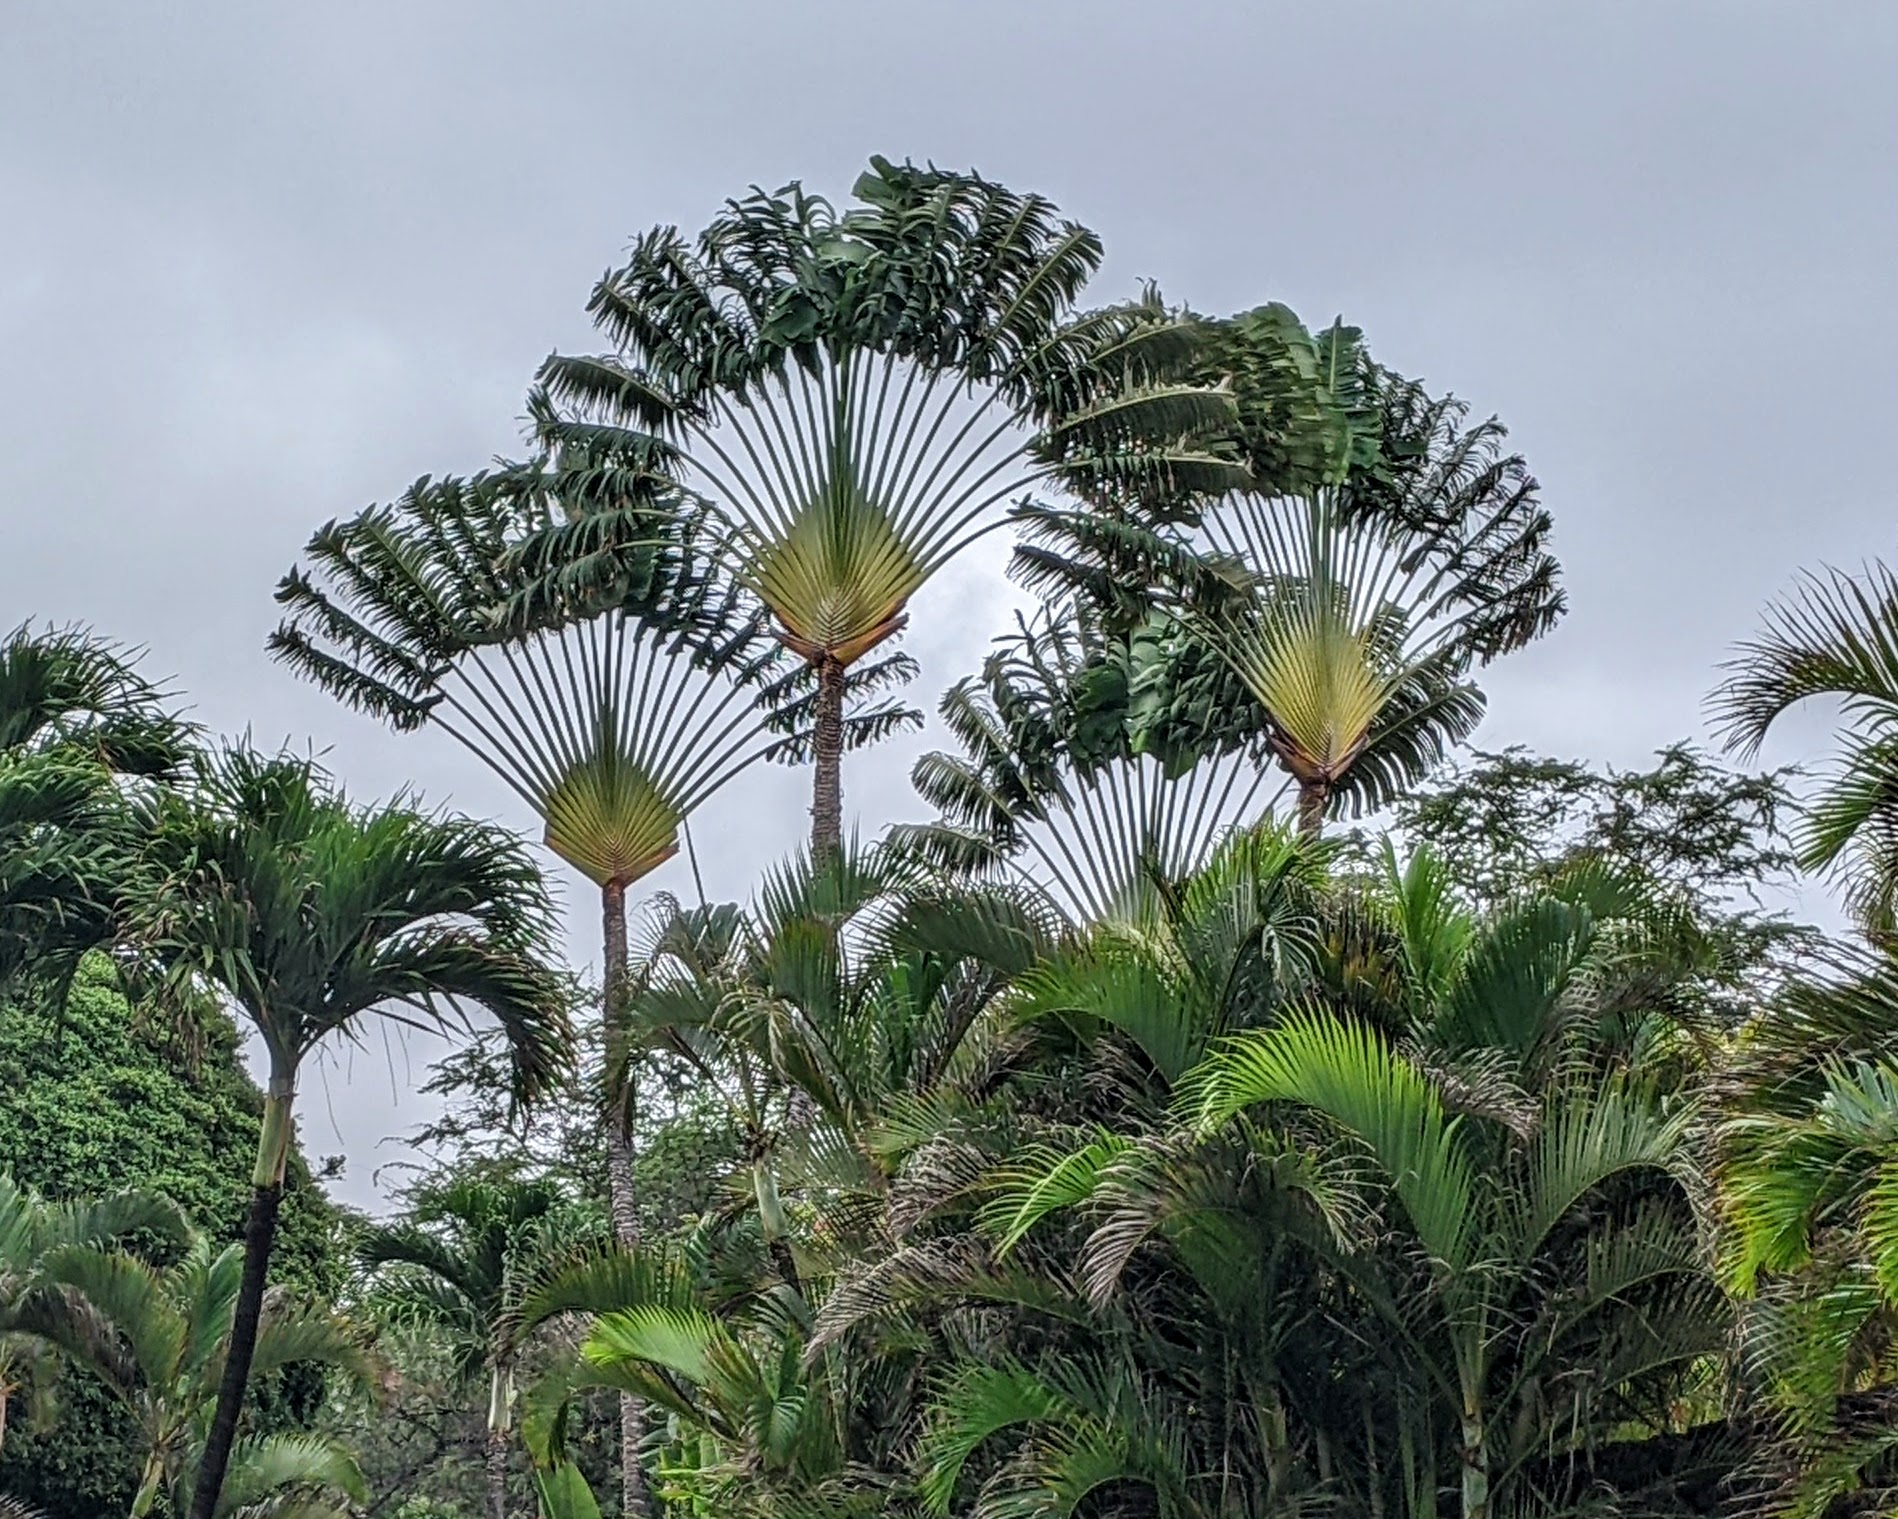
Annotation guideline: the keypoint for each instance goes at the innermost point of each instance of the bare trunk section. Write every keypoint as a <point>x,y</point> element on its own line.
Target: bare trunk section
<point>1313,797</point>
<point>495,1460</point>
<point>635,1499</point>
<point>260,1233</point>
<point>827,751</point>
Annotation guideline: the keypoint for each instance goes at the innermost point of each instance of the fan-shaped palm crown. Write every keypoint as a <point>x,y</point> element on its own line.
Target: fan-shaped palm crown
<point>859,394</point>
<point>582,682</point>
<point>1380,546</point>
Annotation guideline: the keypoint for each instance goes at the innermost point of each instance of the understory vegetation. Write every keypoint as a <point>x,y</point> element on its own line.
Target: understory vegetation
<point>1229,1094</point>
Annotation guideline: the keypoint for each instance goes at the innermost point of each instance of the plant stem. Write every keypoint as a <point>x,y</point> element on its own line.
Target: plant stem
<point>1313,796</point>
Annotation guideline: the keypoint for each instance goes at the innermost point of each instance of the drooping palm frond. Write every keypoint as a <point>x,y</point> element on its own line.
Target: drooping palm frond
<point>66,689</point>
<point>1834,638</point>
<point>78,724</point>
<point>310,914</point>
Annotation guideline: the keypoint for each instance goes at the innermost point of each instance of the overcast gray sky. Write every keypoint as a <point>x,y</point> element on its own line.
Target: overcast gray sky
<point>261,265</point>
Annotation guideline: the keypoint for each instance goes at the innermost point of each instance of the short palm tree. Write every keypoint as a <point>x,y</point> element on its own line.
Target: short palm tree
<point>1835,638</point>
<point>32,1230</point>
<point>310,917</point>
<point>457,1265</point>
<point>1425,1225</point>
<point>159,1340</point>
<point>860,395</point>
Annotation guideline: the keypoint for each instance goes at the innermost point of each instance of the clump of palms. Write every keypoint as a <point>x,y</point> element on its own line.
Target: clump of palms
<point>309,917</point>
<point>1455,1146</point>
<point>860,394</point>
<point>159,1338</point>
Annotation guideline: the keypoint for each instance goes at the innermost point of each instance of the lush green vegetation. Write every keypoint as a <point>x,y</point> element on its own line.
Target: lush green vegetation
<point>1231,1095</point>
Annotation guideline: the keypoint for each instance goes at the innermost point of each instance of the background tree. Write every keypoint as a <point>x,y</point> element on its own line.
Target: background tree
<point>860,394</point>
<point>311,916</point>
<point>457,1265</point>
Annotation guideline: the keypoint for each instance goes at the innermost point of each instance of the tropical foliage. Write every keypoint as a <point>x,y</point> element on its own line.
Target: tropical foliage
<point>1123,1137</point>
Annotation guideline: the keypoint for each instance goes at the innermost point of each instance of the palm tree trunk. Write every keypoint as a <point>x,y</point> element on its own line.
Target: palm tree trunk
<point>1313,796</point>
<point>635,1501</point>
<point>494,1456</point>
<point>1475,1468</point>
<point>827,750</point>
<point>260,1232</point>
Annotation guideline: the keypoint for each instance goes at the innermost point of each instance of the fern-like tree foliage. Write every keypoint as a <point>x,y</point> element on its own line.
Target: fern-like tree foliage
<point>457,1266</point>
<point>861,394</point>
<point>158,1339</point>
<point>1380,546</point>
<point>310,918</point>
<point>78,723</point>
<point>1834,639</point>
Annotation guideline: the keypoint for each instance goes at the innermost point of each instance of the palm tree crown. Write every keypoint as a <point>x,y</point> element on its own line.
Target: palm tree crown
<point>860,394</point>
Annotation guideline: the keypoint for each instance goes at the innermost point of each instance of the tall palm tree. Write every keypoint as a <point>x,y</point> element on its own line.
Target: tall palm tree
<point>1380,546</point>
<point>158,1339</point>
<point>860,394</point>
<point>76,722</point>
<point>458,1264</point>
<point>1835,638</point>
<point>601,680</point>
<point>32,1230</point>
<point>310,917</point>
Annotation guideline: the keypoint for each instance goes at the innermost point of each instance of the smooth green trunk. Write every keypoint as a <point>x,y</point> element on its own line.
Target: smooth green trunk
<point>148,1485</point>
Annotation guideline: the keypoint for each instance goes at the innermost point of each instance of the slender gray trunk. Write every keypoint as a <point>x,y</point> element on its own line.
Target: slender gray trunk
<point>635,1499</point>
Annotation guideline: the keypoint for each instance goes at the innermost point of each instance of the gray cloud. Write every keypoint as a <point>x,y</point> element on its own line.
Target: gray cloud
<point>260,265</point>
